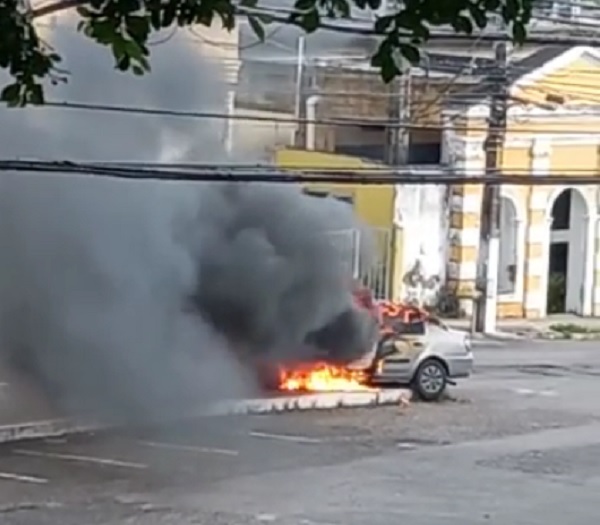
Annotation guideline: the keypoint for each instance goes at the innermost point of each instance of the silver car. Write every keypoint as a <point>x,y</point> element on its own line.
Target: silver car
<point>427,356</point>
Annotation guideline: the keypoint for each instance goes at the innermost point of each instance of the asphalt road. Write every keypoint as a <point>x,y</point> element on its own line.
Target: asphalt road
<point>519,444</point>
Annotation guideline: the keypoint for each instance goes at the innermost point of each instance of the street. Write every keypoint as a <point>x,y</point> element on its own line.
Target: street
<point>519,442</point>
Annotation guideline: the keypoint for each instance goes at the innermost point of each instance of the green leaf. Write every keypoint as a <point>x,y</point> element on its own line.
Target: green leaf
<point>405,19</point>
<point>491,5</point>
<point>84,11</point>
<point>463,24</point>
<point>137,70</point>
<point>11,94</point>
<point>35,95</point>
<point>104,31</point>
<point>383,23</point>
<point>374,4</point>
<point>410,53</point>
<point>310,21</point>
<point>132,50</point>
<point>305,5</point>
<point>138,27</point>
<point>168,14</point>
<point>265,19</point>
<point>519,32</point>
<point>257,27</point>
<point>421,32</point>
<point>155,19</point>
<point>384,60</point>
<point>479,15</point>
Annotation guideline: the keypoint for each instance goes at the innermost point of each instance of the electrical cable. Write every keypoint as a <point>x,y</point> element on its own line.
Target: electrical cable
<point>306,168</point>
<point>277,175</point>
<point>292,120</point>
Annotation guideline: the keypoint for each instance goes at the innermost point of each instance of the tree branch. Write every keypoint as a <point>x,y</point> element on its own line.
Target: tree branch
<point>61,5</point>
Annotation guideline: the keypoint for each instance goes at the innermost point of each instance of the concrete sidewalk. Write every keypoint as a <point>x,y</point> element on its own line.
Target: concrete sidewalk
<point>586,328</point>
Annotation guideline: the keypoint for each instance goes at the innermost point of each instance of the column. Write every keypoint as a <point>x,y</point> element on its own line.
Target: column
<point>596,248</point>
<point>589,281</point>
<point>538,234</point>
<point>464,222</point>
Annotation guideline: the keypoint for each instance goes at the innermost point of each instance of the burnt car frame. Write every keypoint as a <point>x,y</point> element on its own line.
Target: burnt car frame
<point>427,355</point>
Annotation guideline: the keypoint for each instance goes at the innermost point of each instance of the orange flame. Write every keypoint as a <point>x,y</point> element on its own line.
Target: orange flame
<point>322,377</point>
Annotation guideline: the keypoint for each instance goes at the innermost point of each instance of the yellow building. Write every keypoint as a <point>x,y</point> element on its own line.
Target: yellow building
<point>550,235</point>
<point>375,205</point>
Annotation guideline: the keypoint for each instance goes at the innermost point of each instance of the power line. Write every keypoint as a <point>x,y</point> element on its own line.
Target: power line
<point>290,120</point>
<point>274,175</point>
<point>374,169</point>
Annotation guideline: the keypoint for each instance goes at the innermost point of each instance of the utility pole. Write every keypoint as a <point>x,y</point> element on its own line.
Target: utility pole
<point>403,135</point>
<point>393,130</point>
<point>300,54</point>
<point>399,113</point>
<point>489,233</point>
<point>300,94</point>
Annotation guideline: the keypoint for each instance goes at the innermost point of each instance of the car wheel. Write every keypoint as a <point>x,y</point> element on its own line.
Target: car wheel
<point>430,380</point>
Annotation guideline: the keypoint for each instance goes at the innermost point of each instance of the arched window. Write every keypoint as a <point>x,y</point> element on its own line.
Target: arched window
<point>507,263</point>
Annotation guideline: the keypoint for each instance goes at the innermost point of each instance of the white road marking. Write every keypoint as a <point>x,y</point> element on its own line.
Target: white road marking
<point>406,446</point>
<point>283,437</point>
<point>548,393</point>
<point>190,448</point>
<point>81,459</point>
<point>524,391</point>
<point>9,476</point>
<point>542,393</point>
<point>266,518</point>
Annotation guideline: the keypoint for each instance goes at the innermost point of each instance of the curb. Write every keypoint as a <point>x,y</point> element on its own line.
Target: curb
<point>54,428</point>
<point>321,401</point>
<point>499,336</point>
<point>569,336</point>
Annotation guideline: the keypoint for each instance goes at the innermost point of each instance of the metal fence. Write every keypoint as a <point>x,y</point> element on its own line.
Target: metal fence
<point>368,258</point>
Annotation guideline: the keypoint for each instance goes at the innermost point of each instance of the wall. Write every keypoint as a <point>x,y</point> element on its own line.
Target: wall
<point>260,139</point>
<point>373,204</point>
<point>360,94</point>
<point>424,215</point>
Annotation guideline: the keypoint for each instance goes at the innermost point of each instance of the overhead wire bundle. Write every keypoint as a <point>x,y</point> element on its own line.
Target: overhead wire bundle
<point>270,174</point>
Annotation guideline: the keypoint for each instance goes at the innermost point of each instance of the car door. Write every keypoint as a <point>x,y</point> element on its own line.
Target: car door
<point>408,344</point>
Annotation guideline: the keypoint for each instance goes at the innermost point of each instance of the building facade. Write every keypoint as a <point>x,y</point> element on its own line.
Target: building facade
<point>550,235</point>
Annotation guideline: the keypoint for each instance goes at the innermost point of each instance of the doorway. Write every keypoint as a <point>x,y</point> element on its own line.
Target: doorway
<point>567,254</point>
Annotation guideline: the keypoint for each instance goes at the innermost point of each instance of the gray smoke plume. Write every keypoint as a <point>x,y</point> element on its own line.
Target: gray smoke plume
<point>136,297</point>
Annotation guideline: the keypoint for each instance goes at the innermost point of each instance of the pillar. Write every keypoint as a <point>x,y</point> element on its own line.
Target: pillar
<point>538,233</point>
<point>465,211</point>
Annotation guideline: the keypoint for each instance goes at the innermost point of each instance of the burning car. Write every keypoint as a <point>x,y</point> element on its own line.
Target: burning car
<point>410,347</point>
<point>419,350</point>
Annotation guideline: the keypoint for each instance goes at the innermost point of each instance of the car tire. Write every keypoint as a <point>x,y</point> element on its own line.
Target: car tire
<point>430,380</point>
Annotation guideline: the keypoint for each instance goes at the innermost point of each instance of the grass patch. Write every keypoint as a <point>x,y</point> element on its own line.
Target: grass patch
<point>572,328</point>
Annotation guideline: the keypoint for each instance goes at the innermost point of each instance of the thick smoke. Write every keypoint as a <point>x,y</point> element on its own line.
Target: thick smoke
<point>134,297</point>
